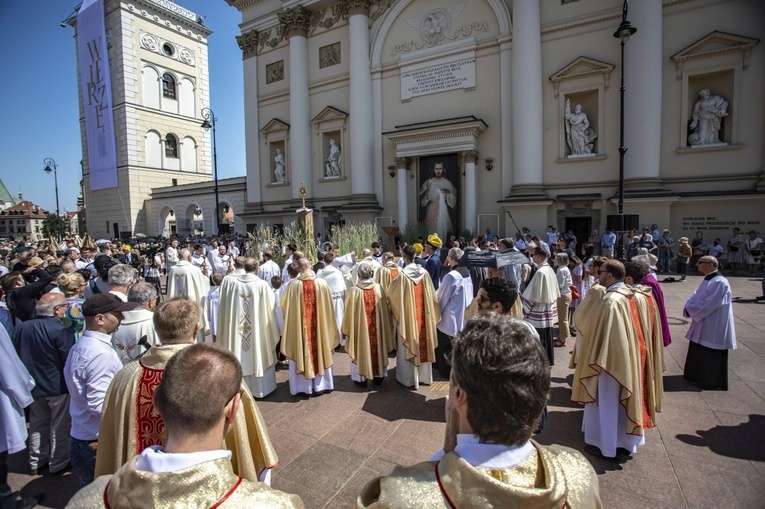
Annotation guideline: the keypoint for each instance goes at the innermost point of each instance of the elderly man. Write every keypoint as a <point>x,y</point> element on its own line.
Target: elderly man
<point>43,344</point>
<point>189,468</point>
<point>121,278</point>
<point>712,332</point>
<point>454,296</point>
<point>310,332</point>
<point>539,300</point>
<point>247,327</point>
<point>89,370</point>
<point>618,368</point>
<point>137,323</point>
<point>415,309</point>
<point>186,280</point>
<point>367,325</point>
<point>498,387</point>
<point>130,422</point>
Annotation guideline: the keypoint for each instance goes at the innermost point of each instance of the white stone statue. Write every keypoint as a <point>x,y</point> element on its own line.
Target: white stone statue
<point>334,166</point>
<point>579,135</point>
<point>705,119</point>
<point>280,172</point>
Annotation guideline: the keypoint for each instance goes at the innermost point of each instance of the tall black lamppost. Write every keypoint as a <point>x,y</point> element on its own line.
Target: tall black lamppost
<point>48,162</point>
<point>623,33</point>
<point>209,121</point>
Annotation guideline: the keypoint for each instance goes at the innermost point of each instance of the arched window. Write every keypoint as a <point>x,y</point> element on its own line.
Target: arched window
<point>171,146</point>
<point>168,86</point>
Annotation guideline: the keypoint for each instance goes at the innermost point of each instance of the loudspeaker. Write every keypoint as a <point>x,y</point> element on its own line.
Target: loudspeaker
<point>631,222</point>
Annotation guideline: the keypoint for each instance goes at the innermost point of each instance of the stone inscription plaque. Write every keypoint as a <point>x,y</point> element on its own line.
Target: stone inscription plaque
<point>439,78</point>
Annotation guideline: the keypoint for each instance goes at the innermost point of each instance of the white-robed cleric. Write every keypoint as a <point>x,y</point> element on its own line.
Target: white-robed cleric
<point>454,295</point>
<point>15,395</point>
<point>186,280</point>
<point>211,310</point>
<point>247,327</point>
<point>336,282</point>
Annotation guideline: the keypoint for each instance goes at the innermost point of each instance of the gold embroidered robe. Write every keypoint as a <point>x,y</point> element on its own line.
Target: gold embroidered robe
<point>415,309</point>
<point>203,485</point>
<point>368,328</point>
<point>552,478</point>
<point>310,332</point>
<point>129,422</point>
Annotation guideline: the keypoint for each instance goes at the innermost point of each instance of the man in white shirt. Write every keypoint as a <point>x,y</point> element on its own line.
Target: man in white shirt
<point>171,256</point>
<point>89,369</point>
<point>268,269</point>
<point>552,235</point>
<point>221,261</point>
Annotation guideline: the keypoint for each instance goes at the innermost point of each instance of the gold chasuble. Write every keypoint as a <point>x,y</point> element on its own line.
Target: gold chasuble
<point>367,324</point>
<point>554,477</point>
<point>130,423</point>
<point>310,332</point>
<point>593,296</point>
<point>386,274</point>
<point>610,341</point>
<point>414,306</point>
<point>207,484</point>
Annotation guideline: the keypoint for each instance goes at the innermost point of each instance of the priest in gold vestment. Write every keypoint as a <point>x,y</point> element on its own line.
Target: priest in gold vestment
<point>130,424</point>
<point>385,275</point>
<point>619,360</point>
<point>499,384</point>
<point>367,325</point>
<point>415,309</point>
<point>191,469</point>
<point>184,279</point>
<point>310,332</point>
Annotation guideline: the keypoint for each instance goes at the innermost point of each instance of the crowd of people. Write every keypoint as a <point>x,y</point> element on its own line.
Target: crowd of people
<point>104,358</point>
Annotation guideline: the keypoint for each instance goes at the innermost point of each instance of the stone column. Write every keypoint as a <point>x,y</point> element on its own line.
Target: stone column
<point>296,22</point>
<point>642,102</point>
<point>402,177</point>
<point>526,90</point>
<point>248,43</point>
<point>469,195</point>
<point>362,179</point>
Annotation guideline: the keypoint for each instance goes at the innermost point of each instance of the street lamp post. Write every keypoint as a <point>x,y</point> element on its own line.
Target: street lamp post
<point>48,162</point>
<point>623,33</point>
<point>209,121</point>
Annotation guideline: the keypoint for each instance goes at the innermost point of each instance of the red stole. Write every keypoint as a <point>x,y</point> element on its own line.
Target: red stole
<point>371,314</point>
<point>311,321</point>
<point>149,426</point>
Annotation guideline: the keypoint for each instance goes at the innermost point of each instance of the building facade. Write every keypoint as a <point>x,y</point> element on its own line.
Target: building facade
<point>475,114</point>
<point>159,79</point>
<point>23,221</point>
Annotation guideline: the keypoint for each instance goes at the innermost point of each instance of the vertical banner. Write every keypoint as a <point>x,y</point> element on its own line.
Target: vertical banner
<point>96,95</point>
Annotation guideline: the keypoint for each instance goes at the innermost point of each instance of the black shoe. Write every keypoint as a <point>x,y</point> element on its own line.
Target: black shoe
<point>27,502</point>
<point>378,380</point>
<point>621,451</point>
<point>61,472</point>
<point>360,384</point>
<point>761,297</point>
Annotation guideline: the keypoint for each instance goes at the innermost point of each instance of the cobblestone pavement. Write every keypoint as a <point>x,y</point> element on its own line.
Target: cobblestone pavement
<point>706,451</point>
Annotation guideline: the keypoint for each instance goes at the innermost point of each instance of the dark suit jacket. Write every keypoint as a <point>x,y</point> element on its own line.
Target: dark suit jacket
<point>43,344</point>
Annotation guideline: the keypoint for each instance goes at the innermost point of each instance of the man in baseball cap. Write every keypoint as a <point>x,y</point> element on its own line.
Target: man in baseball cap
<point>89,369</point>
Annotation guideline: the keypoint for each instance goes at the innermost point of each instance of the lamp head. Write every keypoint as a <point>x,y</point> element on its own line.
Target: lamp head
<point>47,169</point>
<point>625,31</point>
<point>206,125</point>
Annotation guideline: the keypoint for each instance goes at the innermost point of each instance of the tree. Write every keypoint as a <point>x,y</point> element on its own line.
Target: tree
<point>53,224</point>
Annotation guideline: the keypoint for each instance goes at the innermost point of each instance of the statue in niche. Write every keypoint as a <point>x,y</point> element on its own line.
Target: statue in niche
<point>705,119</point>
<point>279,172</point>
<point>334,164</point>
<point>580,136</point>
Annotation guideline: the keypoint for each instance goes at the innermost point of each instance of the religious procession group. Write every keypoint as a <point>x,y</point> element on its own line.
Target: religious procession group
<point>485,319</point>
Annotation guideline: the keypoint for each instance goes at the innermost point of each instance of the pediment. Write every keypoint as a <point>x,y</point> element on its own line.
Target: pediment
<point>716,44</point>
<point>275,125</point>
<point>328,114</point>
<point>582,67</point>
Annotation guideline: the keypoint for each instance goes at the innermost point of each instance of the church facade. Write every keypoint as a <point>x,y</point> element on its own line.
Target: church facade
<point>499,114</point>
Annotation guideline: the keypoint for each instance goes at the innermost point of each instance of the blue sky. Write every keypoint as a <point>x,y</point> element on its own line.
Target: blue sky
<point>40,105</point>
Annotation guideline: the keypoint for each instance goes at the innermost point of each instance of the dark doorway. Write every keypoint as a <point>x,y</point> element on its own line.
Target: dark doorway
<point>582,226</point>
<point>116,228</point>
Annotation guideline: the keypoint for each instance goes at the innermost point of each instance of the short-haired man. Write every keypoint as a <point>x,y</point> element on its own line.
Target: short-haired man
<point>190,469</point>
<point>247,327</point>
<point>137,323</point>
<point>130,423</point>
<point>498,387</point>
<point>618,367</point>
<point>454,296</point>
<point>388,272</point>
<point>607,243</point>
<point>89,369</point>
<point>337,287</point>
<point>539,300</point>
<point>712,332</point>
<point>368,327</point>
<point>121,278</point>
<point>171,255</point>
<point>268,269</point>
<point>639,270</point>
<point>415,309</point>
<point>309,320</point>
<point>43,344</point>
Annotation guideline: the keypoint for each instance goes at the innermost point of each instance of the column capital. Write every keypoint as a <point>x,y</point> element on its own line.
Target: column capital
<point>295,21</point>
<point>402,163</point>
<point>248,43</point>
<point>350,7</point>
<point>471,156</point>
